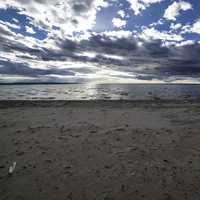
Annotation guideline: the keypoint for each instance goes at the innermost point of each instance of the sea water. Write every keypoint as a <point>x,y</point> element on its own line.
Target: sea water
<point>99,92</point>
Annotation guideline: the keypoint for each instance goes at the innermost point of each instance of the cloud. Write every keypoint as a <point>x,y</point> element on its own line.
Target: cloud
<point>10,68</point>
<point>30,30</point>
<point>15,20</point>
<point>10,25</point>
<point>139,5</point>
<point>121,13</point>
<point>153,34</point>
<point>5,30</point>
<point>73,51</point>
<point>98,57</point>
<point>117,34</point>
<point>118,23</point>
<point>194,28</point>
<point>79,15</point>
<point>175,9</point>
<point>175,26</point>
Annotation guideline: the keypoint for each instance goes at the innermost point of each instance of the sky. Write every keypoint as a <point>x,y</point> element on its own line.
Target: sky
<point>100,41</point>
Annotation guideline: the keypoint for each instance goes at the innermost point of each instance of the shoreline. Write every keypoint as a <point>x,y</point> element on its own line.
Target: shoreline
<point>43,103</point>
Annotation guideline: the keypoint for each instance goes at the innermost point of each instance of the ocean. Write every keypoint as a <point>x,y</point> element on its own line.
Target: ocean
<point>100,92</point>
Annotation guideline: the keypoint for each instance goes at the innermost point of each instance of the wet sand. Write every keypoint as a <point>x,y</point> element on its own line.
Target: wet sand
<point>100,150</point>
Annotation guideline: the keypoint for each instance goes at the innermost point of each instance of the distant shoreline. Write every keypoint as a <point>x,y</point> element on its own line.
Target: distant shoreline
<point>38,83</point>
<point>49,83</point>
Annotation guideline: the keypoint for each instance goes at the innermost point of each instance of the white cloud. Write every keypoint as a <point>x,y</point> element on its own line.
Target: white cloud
<point>196,27</point>
<point>139,5</point>
<point>191,28</point>
<point>159,22</point>
<point>185,43</point>
<point>118,23</point>
<point>115,57</point>
<point>174,9</point>
<point>10,25</point>
<point>87,54</point>
<point>153,34</point>
<point>121,13</point>
<point>30,30</point>
<point>175,26</point>
<point>117,34</point>
<point>15,20</point>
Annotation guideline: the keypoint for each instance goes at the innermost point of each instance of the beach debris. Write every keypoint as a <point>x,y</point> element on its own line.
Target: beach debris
<point>106,196</point>
<point>2,166</point>
<point>123,188</point>
<point>62,129</point>
<point>155,98</point>
<point>124,93</point>
<point>48,161</point>
<point>20,153</point>
<point>12,168</point>
<point>69,196</point>
<point>132,173</point>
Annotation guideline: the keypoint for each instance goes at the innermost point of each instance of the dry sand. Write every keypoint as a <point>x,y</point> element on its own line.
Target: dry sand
<point>100,150</point>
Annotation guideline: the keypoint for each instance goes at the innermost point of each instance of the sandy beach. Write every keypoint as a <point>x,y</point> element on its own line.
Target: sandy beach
<point>100,150</point>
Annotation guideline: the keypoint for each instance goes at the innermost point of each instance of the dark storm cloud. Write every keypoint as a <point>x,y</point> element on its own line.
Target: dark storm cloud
<point>97,44</point>
<point>80,7</point>
<point>10,46</point>
<point>11,68</point>
<point>105,44</point>
<point>154,48</point>
<point>180,67</point>
<point>183,61</point>
<point>68,45</point>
